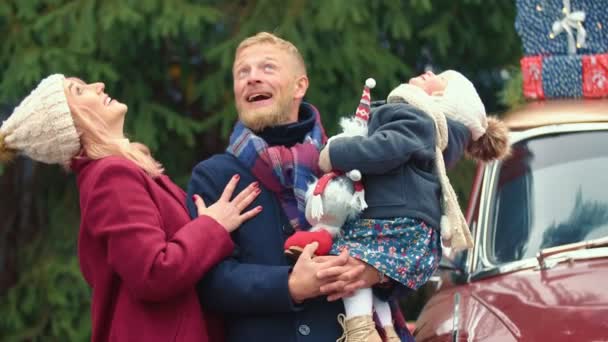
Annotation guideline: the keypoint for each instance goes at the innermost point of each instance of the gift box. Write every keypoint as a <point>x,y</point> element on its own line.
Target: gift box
<point>595,76</point>
<point>560,27</point>
<point>566,76</point>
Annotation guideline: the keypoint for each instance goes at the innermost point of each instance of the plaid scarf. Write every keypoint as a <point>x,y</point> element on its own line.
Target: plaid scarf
<point>286,171</point>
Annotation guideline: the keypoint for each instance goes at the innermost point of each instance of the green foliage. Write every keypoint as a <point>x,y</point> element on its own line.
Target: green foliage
<point>512,94</point>
<point>461,177</point>
<point>170,62</point>
<point>50,301</point>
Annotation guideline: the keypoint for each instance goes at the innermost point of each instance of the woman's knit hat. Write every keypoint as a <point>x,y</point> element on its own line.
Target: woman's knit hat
<point>41,127</point>
<point>461,102</point>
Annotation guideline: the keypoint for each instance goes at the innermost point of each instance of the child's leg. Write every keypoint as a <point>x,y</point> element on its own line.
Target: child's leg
<point>383,310</point>
<point>360,304</point>
<point>359,323</point>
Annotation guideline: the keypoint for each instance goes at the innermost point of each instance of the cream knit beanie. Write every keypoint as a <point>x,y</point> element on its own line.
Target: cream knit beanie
<point>454,228</point>
<point>41,127</point>
<point>461,102</point>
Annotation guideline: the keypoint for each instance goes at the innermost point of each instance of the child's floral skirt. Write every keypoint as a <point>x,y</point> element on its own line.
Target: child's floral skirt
<point>404,249</point>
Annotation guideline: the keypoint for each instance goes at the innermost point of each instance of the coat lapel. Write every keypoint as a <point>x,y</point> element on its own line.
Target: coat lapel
<point>175,191</point>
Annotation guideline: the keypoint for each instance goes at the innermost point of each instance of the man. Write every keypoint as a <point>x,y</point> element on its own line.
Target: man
<point>276,142</point>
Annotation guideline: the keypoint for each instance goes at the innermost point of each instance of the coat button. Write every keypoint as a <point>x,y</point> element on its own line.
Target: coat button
<point>304,329</point>
<point>288,229</point>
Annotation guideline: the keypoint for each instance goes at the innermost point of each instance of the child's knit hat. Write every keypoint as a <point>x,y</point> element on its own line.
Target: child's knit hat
<point>461,102</point>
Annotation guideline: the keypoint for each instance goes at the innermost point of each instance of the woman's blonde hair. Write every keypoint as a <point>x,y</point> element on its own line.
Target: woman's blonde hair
<point>97,142</point>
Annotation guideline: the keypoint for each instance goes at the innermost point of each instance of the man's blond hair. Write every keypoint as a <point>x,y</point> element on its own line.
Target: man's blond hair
<point>269,38</point>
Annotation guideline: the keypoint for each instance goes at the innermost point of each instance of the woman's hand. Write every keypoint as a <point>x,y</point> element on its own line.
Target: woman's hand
<point>228,212</point>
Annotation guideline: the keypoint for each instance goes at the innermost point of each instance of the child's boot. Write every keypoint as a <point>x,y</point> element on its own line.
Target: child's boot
<point>358,329</point>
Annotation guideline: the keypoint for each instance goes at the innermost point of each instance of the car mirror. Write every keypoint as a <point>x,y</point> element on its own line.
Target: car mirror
<point>451,268</point>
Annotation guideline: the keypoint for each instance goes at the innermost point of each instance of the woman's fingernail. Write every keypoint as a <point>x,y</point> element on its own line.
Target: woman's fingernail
<point>237,176</point>
<point>256,184</point>
<point>193,198</point>
<point>257,191</point>
<point>259,208</point>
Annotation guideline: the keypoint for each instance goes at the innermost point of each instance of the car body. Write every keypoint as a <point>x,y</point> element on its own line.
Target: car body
<point>539,267</point>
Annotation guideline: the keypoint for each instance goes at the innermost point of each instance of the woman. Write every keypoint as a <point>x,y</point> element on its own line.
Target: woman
<point>137,247</point>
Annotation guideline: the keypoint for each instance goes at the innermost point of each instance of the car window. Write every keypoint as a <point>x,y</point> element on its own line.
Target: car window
<point>553,190</point>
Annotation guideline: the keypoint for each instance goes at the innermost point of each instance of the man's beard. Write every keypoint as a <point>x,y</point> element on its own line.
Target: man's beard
<point>258,119</point>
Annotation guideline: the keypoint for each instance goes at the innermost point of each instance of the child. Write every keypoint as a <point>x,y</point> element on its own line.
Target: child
<point>408,194</point>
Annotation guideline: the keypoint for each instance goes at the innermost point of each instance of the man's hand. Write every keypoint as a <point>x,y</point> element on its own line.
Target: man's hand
<point>344,280</point>
<point>304,282</point>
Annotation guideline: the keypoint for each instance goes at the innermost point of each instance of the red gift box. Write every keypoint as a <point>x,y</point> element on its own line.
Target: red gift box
<point>532,74</point>
<point>595,76</point>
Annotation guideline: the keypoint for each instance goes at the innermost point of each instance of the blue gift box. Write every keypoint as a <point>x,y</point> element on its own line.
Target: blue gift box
<point>562,76</point>
<point>565,76</point>
<point>560,27</point>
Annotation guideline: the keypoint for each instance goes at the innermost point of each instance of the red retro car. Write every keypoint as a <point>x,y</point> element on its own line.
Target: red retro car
<point>539,268</point>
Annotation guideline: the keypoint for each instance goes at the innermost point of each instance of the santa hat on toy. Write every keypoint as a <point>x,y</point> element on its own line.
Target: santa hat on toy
<point>353,126</point>
<point>364,107</point>
<point>357,124</point>
<point>361,118</point>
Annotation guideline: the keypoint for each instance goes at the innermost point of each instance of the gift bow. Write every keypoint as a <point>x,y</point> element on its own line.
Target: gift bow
<point>570,22</point>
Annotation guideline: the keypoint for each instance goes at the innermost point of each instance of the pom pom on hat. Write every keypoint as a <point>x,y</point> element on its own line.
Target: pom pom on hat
<point>493,145</point>
<point>41,127</point>
<point>370,83</point>
<point>461,102</point>
<point>6,153</point>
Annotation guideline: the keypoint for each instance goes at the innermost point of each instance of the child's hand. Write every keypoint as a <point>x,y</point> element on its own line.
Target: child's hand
<point>324,161</point>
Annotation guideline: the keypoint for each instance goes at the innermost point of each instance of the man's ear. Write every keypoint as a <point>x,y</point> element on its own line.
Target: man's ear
<point>301,86</point>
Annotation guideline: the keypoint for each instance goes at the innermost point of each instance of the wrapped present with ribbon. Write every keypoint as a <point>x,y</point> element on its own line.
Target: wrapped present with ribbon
<point>566,76</point>
<point>560,27</point>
